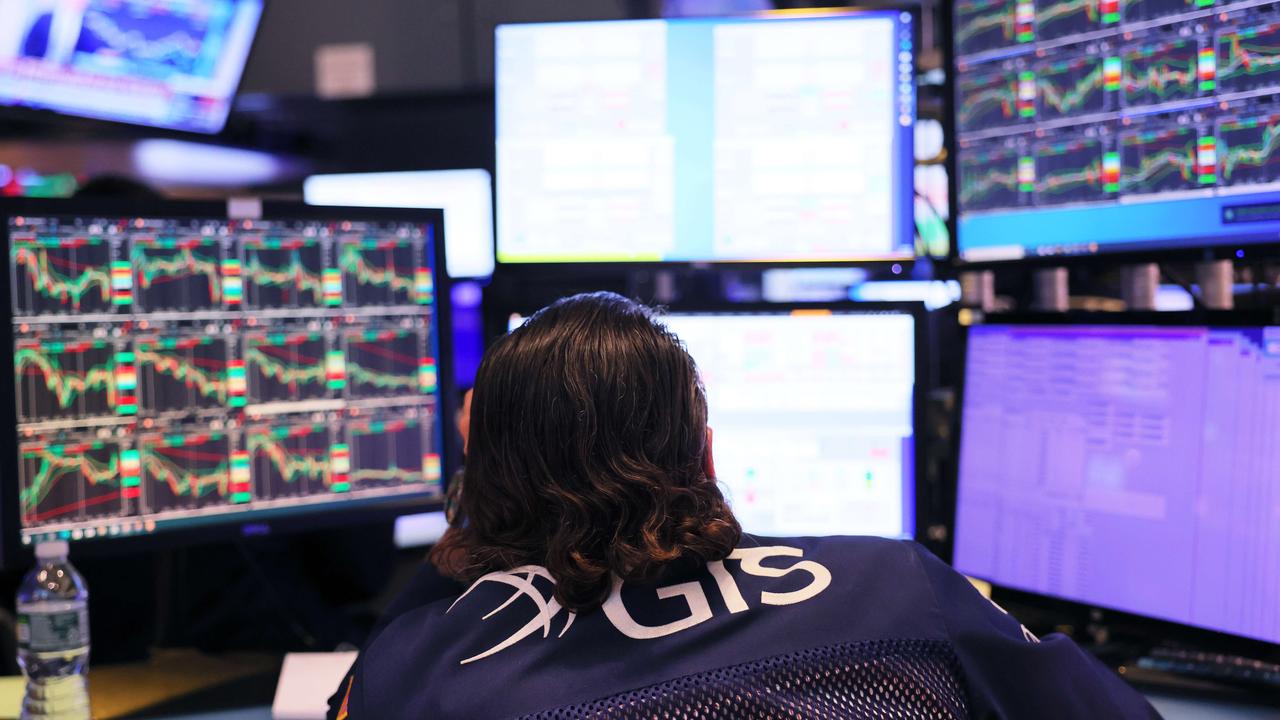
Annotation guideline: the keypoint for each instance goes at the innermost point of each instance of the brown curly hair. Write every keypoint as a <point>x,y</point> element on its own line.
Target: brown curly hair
<point>587,454</point>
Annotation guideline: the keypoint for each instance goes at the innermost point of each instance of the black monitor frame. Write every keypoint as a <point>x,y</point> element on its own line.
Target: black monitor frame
<point>919,316</point>
<point>908,259</point>
<point>283,520</point>
<point>1154,630</point>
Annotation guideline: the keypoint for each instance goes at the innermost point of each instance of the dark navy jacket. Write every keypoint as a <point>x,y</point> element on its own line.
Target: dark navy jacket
<point>800,627</point>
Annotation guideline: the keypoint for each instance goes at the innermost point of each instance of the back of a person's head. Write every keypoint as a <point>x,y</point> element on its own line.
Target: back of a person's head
<point>587,454</point>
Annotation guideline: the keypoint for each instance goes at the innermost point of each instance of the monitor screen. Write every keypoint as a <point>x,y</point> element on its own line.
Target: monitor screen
<point>768,138</point>
<point>813,418</point>
<point>465,195</point>
<point>172,372</point>
<point>1126,467</point>
<point>166,63</point>
<point>1115,126</point>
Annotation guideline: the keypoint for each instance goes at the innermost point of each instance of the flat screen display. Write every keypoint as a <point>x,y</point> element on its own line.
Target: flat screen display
<point>174,372</point>
<point>165,63</point>
<point>1116,125</point>
<point>1127,467</point>
<point>813,418</point>
<point>767,138</point>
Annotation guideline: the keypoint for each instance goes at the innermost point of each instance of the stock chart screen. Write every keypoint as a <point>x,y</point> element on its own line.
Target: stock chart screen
<point>166,63</point>
<point>1126,467</point>
<point>172,372</point>
<point>782,137</point>
<point>813,416</point>
<point>1115,125</point>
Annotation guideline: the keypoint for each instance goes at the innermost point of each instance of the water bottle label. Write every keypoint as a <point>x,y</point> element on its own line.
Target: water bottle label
<point>53,632</point>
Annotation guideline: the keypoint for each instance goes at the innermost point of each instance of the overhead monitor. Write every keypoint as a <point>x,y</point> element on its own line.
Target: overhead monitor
<point>814,416</point>
<point>165,63</point>
<point>1126,467</point>
<point>175,370</point>
<point>770,138</point>
<point>1115,126</point>
<point>465,195</point>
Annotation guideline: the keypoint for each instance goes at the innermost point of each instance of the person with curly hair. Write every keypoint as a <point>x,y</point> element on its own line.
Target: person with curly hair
<point>594,569</point>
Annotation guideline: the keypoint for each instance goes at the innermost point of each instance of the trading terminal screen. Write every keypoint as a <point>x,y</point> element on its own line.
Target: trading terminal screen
<point>767,138</point>
<point>174,372</point>
<point>1116,125</point>
<point>813,417</point>
<point>1127,467</point>
<point>166,63</point>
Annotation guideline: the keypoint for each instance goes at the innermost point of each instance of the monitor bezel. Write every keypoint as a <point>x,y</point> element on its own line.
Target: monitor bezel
<point>19,110</point>
<point>907,156</point>
<point>920,317</point>
<point>285,520</point>
<point>1155,630</point>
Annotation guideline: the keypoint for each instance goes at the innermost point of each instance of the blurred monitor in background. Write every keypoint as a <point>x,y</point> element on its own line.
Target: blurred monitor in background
<point>165,63</point>
<point>465,195</point>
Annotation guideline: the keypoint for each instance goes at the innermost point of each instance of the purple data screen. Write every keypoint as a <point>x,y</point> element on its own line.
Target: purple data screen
<point>1133,468</point>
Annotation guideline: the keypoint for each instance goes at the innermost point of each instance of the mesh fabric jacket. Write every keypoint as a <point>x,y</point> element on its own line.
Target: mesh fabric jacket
<point>824,628</point>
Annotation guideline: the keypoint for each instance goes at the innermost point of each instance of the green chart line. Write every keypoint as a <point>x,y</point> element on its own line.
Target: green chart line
<point>291,466</point>
<point>294,274</point>
<point>65,288</point>
<point>1255,155</point>
<point>182,264</point>
<point>54,465</point>
<point>208,384</point>
<point>66,385</point>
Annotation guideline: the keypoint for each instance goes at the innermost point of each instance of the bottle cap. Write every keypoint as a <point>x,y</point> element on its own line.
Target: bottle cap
<point>51,550</point>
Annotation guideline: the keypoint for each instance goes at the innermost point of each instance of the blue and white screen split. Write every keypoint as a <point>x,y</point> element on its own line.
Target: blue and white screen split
<point>784,138</point>
<point>813,418</point>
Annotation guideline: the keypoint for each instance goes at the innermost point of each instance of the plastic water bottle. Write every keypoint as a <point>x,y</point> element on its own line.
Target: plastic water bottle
<point>53,637</point>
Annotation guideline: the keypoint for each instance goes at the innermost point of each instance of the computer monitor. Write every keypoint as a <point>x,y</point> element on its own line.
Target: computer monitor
<point>1128,467</point>
<point>166,63</point>
<point>770,138</point>
<point>1115,126</point>
<point>814,409</point>
<point>814,415</point>
<point>465,195</point>
<point>177,370</point>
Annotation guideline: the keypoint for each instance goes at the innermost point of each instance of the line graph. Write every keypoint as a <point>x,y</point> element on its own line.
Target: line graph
<point>177,273</point>
<point>1249,150</point>
<point>1160,161</point>
<point>69,379</point>
<point>55,275</point>
<point>989,178</point>
<point>1136,10</point>
<point>186,471</point>
<point>1160,72</point>
<point>1074,86</point>
<point>290,460</point>
<point>287,367</point>
<point>389,452</point>
<point>284,273</point>
<point>386,362</point>
<point>985,25</point>
<point>1075,171</point>
<point>179,374</point>
<point>165,39</point>
<point>1068,17</point>
<point>1249,58</point>
<point>381,272</point>
<point>988,100</point>
<point>72,481</point>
